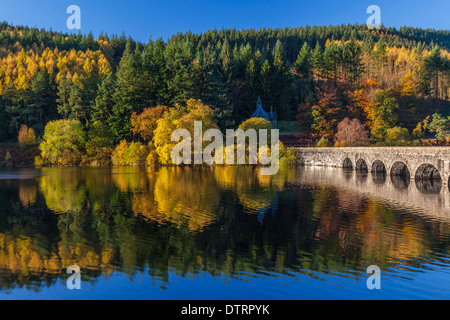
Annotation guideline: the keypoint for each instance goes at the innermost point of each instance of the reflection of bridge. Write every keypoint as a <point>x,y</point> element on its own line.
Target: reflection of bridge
<point>429,164</point>
<point>384,188</point>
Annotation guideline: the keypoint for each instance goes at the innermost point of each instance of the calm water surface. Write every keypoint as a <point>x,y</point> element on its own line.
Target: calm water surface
<point>221,233</point>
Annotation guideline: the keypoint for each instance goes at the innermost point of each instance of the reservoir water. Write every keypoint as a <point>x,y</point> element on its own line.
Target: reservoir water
<point>221,233</point>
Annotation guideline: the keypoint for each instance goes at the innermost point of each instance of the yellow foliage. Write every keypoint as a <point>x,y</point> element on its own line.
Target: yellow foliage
<point>408,88</point>
<point>118,157</point>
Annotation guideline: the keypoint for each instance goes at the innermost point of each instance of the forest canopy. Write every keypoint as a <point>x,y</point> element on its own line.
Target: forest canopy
<point>317,75</point>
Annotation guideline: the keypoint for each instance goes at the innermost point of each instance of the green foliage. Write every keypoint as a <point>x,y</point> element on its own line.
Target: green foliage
<point>384,115</point>
<point>324,142</point>
<point>440,126</point>
<point>99,144</point>
<point>288,156</point>
<point>46,75</point>
<point>63,142</point>
<point>397,134</point>
<point>257,124</point>
<point>136,154</point>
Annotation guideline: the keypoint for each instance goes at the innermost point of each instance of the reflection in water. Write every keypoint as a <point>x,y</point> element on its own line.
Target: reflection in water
<point>429,186</point>
<point>361,177</point>
<point>378,177</point>
<point>400,182</point>
<point>225,221</point>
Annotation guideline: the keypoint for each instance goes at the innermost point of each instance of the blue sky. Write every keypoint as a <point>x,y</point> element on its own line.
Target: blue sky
<point>145,18</point>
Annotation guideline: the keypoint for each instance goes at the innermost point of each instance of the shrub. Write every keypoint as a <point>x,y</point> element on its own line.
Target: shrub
<point>323,142</point>
<point>26,136</point>
<point>353,133</point>
<point>418,131</point>
<point>440,126</point>
<point>340,144</point>
<point>288,156</point>
<point>63,142</point>
<point>118,157</point>
<point>256,123</point>
<point>39,162</point>
<point>397,134</point>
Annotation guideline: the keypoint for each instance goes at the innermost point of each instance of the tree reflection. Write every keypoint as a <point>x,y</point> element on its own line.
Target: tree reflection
<point>223,220</point>
<point>186,196</point>
<point>63,189</point>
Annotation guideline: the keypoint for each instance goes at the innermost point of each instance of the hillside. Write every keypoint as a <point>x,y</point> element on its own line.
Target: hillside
<point>316,75</point>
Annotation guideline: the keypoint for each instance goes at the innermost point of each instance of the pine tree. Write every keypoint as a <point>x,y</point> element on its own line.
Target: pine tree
<point>78,109</point>
<point>104,101</point>
<point>302,65</point>
<point>317,60</point>
<point>63,97</point>
<point>42,99</point>
<point>434,64</point>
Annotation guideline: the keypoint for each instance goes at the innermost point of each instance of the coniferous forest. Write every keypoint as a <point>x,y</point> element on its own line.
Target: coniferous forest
<point>111,89</point>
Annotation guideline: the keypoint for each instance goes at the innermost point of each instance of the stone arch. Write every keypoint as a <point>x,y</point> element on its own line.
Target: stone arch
<point>378,167</point>
<point>361,165</point>
<point>427,171</point>
<point>347,164</point>
<point>428,179</point>
<point>399,168</point>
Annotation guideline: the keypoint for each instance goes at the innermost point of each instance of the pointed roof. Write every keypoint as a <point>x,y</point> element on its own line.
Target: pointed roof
<point>259,112</point>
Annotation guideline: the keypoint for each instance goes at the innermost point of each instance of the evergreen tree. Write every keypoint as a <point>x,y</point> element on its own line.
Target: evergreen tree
<point>63,97</point>
<point>104,101</point>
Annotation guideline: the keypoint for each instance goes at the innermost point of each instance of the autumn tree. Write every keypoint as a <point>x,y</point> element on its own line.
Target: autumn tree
<point>382,114</point>
<point>145,123</point>
<point>26,136</point>
<point>180,118</point>
<point>63,142</point>
<point>397,134</point>
<point>325,111</point>
<point>352,133</point>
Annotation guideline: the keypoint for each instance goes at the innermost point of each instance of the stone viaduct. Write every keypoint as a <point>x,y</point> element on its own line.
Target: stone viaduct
<point>425,163</point>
